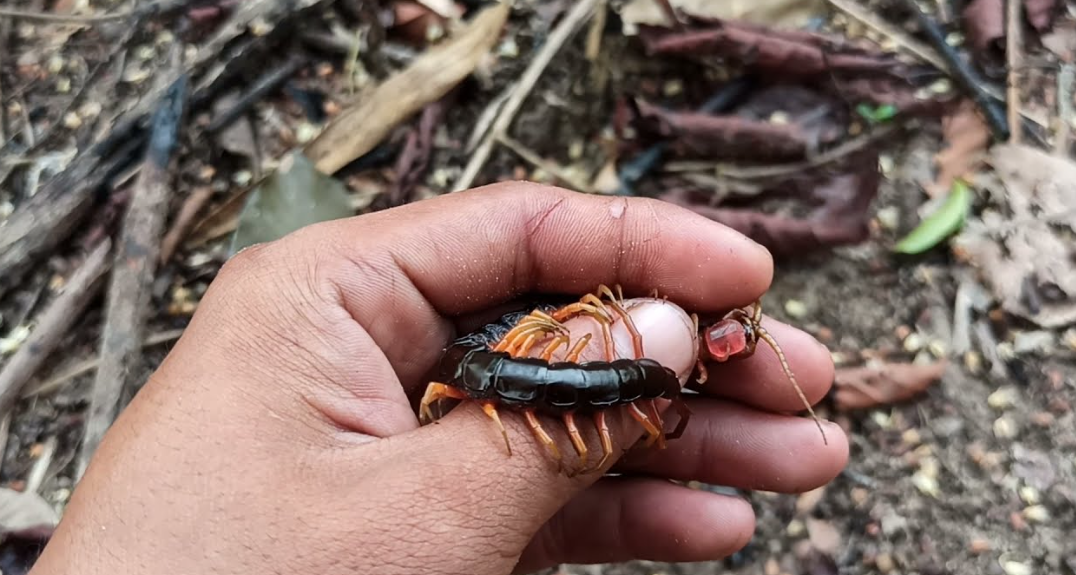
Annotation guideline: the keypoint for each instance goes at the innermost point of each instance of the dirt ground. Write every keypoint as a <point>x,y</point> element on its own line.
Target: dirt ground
<point>977,475</point>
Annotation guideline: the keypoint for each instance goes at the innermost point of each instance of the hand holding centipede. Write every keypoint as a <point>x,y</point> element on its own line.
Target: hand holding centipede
<point>283,431</point>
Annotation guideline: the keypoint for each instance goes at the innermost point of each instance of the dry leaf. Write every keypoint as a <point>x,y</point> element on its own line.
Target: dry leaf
<point>429,77</point>
<point>886,384</point>
<point>967,137</point>
<point>824,536</point>
<point>1026,250</point>
<point>789,14</point>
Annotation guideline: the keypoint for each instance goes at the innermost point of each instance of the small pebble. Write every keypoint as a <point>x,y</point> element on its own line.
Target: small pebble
<point>1016,568</point>
<point>72,121</point>
<point>772,567</point>
<point>673,88</point>
<point>1017,521</point>
<point>888,218</point>
<point>1069,338</point>
<point>1003,398</point>
<point>902,331</point>
<point>1030,495</point>
<point>979,545</point>
<point>796,528</point>
<point>884,562</point>
<point>913,343</point>
<point>925,484</point>
<point>575,150</point>
<point>824,334</point>
<point>859,495</point>
<point>55,64</point>
<point>973,361</point>
<point>911,437</point>
<point>1005,428</point>
<point>1043,419</point>
<point>938,348</point>
<point>508,49</point>
<point>796,309</point>
<point>1036,513</point>
<point>1033,341</point>
<point>63,84</point>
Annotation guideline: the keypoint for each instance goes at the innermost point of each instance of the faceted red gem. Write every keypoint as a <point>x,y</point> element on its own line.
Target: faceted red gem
<point>725,339</point>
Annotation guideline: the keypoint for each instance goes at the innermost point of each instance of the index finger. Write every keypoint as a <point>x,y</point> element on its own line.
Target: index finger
<point>468,251</point>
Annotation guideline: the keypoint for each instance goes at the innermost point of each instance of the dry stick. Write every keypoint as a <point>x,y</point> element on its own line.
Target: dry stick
<point>5,428</point>
<point>926,53</point>
<point>136,262</point>
<point>53,325</point>
<point>567,27</point>
<point>539,162</point>
<point>86,366</point>
<point>1014,55</point>
<point>36,477</point>
<point>183,221</point>
<point>1065,80</point>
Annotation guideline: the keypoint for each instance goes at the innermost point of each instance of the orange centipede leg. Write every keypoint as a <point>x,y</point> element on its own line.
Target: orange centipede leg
<point>491,411</point>
<point>577,349</point>
<point>652,409</point>
<point>547,353</point>
<point>636,337</point>
<point>435,392</point>
<point>599,314</point>
<point>577,439</point>
<point>536,428</point>
<point>652,430</point>
<point>685,414</point>
<point>606,439</point>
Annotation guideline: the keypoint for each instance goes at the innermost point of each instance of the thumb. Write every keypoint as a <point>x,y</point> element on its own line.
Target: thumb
<point>518,493</point>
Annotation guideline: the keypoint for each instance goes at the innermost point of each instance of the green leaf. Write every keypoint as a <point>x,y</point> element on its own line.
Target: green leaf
<point>882,113</point>
<point>939,225</point>
<point>294,196</point>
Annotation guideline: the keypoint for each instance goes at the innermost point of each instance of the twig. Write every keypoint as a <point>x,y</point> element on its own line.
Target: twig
<point>5,430</point>
<point>66,18</point>
<point>968,79</point>
<point>261,88</point>
<point>158,7</point>
<point>642,164</point>
<point>90,365</point>
<point>53,325</point>
<point>1014,55</point>
<point>1066,77</point>
<point>572,21</point>
<point>136,261</point>
<point>778,170</point>
<point>38,472</point>
<point>541,163</point>
<point>182,223</point>
<point>51,215</point>
<point>899,37</point>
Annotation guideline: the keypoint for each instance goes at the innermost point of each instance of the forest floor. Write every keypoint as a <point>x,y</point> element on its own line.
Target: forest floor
<point>956,357</point>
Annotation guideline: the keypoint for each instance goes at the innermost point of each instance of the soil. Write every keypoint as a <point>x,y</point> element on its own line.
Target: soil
<point>954,481</point>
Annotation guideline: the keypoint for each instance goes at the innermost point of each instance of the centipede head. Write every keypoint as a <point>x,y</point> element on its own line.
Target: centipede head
<point>737,335</point>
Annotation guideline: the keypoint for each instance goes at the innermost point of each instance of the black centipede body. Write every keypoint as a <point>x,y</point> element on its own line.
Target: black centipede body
<point>556,388</point>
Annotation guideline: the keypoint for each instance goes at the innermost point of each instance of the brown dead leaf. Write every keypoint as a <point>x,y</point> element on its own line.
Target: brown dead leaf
<point>984,22</point>
<point>790,53</point>
<point>824,537</point>
<point>840,216</point>
<point>429,77</point>
<point>1026,250</point>
<point>700,135</point>
<point>785,14</point>
<point>873,386</point>
<point>967,136</point>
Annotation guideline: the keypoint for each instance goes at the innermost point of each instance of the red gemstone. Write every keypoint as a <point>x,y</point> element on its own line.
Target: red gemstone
<point>725,339</point>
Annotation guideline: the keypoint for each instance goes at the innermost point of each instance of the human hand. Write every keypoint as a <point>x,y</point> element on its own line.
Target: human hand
<point>280,436</point>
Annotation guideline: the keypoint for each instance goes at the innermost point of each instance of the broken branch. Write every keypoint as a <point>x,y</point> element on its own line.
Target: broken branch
<point>136,261</point>
<point>53,324</point>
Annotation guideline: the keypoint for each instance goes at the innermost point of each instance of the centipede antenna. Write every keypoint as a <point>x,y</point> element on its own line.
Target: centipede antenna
<point>765,336</point>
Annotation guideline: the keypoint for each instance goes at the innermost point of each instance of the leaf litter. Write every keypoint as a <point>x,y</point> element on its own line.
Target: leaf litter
<point>1024,249</point>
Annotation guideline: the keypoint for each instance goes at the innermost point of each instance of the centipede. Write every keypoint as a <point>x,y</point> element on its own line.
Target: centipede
<point>493,367</point>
